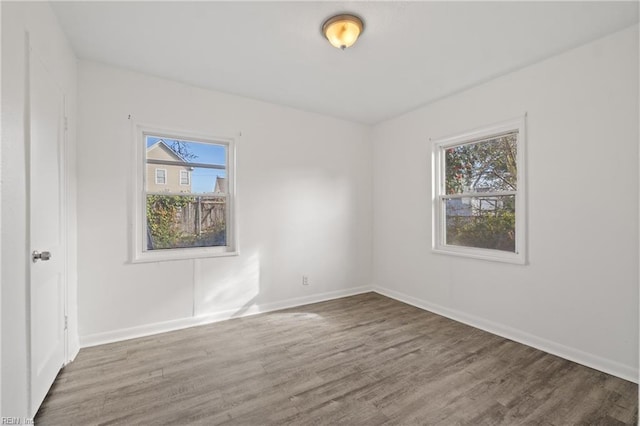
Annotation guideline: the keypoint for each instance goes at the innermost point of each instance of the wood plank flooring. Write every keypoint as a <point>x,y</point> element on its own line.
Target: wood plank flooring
<point>361,360</point>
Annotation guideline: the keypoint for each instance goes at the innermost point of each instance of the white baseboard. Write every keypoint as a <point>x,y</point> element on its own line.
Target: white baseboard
<point>572,354</point>
<point>178,324</point>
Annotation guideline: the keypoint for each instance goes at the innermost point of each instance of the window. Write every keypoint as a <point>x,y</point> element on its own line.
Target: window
<point>184,177</point>
<point>161,176</point>
<point>478,193</point>
<point>186,208</point>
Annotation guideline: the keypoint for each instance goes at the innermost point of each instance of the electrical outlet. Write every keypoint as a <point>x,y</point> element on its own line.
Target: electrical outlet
<point>305,280</point>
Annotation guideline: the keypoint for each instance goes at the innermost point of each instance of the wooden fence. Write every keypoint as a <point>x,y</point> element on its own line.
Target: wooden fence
<point>202,215</point>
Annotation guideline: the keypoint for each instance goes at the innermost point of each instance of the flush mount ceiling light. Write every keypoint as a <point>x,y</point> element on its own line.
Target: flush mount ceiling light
<point>342,30</point>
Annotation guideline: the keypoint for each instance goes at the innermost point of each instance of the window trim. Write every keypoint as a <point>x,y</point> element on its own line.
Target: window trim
<point>138,227</point>
<point>439,146</point>
<point>188,177</point>
<point>165,176</point>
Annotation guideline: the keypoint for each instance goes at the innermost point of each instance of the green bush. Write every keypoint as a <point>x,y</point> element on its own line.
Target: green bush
<point>492,231</point>
<point>162,215</point>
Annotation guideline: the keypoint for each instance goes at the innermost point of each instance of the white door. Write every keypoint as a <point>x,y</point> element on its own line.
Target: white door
<point>46,210</point>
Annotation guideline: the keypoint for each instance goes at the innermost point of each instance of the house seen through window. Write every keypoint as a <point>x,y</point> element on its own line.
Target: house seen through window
<point>187,202</point>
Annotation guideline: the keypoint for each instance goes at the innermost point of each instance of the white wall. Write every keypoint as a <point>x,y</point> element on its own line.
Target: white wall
<point>47,38</point>
<point>304,207</point>
<point>578,296</point>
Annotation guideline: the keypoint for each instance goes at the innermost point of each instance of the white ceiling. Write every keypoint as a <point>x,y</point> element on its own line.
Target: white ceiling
<point>411,53</point>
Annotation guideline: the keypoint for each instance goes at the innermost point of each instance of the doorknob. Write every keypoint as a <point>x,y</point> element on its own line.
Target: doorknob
<point>36,255</point>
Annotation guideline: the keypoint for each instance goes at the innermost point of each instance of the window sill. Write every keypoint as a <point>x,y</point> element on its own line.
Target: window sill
<point>482,254</point>
<point>183,254</point>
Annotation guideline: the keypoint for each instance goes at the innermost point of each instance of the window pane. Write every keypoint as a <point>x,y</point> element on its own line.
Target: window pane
<point>161,176</point>
<point>179,221</point>
<point>184,177</point>
<point>208,181</point>
<point>185,151</point>
<point>190,167</point>
<point>481,222</point>
<point>484,166</point>
<point>187,205</point>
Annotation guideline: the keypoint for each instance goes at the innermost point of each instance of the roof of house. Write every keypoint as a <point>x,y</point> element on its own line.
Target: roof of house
<point>221,185</point>
<point>161,143</point>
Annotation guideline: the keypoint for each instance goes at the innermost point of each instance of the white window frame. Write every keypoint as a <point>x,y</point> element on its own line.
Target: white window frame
<point>439,147</point>
<point>188,178</point>
<point>139,252</point>
<point>165,176</point>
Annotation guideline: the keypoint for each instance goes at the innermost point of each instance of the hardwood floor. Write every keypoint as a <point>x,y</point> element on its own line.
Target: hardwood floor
<point>361,360</point>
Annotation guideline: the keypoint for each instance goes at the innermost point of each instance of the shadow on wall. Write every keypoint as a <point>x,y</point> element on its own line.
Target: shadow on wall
<point>243,310</point>
<point>238,286</point>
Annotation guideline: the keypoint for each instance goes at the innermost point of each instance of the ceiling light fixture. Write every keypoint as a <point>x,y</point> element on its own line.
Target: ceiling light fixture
<point>342,30</point>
